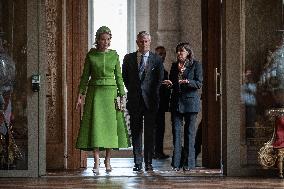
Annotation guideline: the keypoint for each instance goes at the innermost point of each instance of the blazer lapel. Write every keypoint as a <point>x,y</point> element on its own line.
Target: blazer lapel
<point>189,66</point>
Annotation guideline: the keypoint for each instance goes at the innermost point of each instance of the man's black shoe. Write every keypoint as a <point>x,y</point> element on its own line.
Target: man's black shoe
<point>137,167</point>
<point>161,156</point>
<point>186,169</point>
<point>175,168</point>
<point>148,167</point>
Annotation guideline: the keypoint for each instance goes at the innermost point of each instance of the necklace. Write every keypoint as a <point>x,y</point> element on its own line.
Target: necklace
<point>181,67</point>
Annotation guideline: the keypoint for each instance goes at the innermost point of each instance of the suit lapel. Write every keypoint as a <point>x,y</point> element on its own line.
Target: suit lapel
<point>150,63</point>
<point>133,62</point>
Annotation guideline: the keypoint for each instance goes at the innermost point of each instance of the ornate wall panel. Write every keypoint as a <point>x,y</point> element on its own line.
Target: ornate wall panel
<point>54,132</point>
<point>54,125</point>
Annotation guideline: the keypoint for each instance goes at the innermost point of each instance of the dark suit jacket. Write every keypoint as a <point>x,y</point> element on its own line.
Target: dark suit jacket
<point>148,87</point>
<point>165,93</point>
<point>185,97</point>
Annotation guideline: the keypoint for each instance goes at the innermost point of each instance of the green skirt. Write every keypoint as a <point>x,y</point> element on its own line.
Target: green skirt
<point>102,126</point>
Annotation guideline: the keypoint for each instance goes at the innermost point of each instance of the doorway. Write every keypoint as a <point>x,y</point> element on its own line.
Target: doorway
<point>210,53</point>
<point>73,40</point>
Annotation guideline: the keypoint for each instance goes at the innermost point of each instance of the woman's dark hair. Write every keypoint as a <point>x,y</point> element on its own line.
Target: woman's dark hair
<point>187,47</point>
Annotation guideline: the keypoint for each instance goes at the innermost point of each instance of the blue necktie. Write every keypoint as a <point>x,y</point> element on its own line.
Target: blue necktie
<point>141,67</point>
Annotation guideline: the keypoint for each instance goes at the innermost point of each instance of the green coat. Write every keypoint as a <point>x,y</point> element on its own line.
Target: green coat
<point>102,126</point>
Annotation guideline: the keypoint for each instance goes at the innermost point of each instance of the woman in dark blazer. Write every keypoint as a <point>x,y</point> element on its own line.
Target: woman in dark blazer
<point>186,79</point>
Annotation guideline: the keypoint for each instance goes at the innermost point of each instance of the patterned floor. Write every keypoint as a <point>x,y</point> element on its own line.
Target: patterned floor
<point>122,177</point>
<point>122,167</point>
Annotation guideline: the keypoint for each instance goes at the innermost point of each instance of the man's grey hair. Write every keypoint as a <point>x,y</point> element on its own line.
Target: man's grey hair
<point>142,34</point>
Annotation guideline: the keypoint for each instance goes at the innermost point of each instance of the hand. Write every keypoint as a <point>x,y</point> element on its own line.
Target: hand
<point>79,102</point>
<point>182,81</point>
<point>167,82</point>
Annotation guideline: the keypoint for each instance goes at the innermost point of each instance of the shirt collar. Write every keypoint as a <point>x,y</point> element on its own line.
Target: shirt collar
<point>145,55</point>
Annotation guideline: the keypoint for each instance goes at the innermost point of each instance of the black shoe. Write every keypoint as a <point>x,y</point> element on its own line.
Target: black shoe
<point>186,169</point>
<point>175,168</point>
<point>137,167</point>
<point>161,156</point>
<point>148,167</point>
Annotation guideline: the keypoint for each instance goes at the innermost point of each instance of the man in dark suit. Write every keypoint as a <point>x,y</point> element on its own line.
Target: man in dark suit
<point>142,73</point>
<point>163,107</point>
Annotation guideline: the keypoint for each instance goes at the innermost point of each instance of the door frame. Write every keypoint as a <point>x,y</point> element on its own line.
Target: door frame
<point>35,100</point>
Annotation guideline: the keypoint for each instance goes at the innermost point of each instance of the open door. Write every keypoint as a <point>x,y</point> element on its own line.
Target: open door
<point>67,45</point>
<point>21,108</point>
<point>211,95</point>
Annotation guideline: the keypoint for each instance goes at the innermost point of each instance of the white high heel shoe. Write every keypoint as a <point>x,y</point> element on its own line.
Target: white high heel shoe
<point>107,165</point>
<point>96,167</point>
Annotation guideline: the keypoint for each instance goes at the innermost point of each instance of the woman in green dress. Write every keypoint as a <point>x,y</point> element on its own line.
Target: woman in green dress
<point>103,125</point>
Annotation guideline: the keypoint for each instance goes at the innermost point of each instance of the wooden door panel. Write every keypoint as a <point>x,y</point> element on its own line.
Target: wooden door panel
<point>67,45</point>
<point>211,114</point>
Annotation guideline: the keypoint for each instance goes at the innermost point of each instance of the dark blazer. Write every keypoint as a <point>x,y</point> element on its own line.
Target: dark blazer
<point>148,87</point>
<point>185,97</point>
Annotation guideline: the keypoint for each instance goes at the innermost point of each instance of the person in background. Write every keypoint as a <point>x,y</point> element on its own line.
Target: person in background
<point>186,79</point>
<point>103,125</point>
<point>142,73</point>
<point>163,107</point>
<point>249,90</point>
<point>198,140</point>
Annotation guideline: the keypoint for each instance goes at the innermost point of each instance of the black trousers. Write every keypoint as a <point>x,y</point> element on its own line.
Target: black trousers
<point>137,121</point>
<point>159,133</point>
<point>198,140</point>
